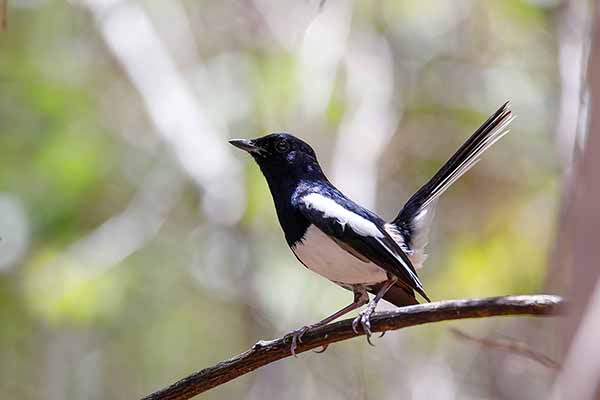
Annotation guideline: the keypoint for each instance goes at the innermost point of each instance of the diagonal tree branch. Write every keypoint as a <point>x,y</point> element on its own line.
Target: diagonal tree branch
<point>509,346</point>
<point>266,352</point>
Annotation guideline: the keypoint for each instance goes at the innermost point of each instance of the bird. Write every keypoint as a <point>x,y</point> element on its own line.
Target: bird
<point>348,244</point>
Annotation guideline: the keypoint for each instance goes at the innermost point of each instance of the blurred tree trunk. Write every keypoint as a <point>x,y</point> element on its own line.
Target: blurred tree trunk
<point>577,256</point>
<point>581,220</point>
<point>573,27</point>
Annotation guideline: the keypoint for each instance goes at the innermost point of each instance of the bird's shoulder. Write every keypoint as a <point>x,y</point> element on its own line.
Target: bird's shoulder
<point>327,207</point>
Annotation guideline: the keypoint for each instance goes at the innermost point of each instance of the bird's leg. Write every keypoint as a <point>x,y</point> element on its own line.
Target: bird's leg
<point>364,317</point>
<point>360,299</point>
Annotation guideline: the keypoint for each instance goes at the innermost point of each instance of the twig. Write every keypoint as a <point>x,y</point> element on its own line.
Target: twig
<point>511,346</point>
<point>266,352</point>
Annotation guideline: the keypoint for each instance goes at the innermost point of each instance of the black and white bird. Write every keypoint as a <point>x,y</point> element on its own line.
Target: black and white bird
<point>346,243</point>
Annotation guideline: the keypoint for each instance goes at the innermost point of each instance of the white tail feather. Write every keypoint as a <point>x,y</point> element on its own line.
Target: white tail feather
<point>469,162</point>
<point>412,225</point>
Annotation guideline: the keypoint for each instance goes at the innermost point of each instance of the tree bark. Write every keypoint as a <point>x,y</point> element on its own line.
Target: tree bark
<point>266,352</point>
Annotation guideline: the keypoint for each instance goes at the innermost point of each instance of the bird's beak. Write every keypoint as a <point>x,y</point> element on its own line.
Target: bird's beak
<point>246,145</point>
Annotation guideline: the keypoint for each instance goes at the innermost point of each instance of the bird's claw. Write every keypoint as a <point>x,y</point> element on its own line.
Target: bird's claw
<point>364,319</point>
<point>322,349</point>
<point>296,337</point>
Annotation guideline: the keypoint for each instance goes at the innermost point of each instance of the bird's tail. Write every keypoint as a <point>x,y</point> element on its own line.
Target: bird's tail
<point>412,224</point>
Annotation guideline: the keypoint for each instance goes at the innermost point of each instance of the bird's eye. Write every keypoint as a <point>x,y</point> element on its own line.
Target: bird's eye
<point>282,146</point>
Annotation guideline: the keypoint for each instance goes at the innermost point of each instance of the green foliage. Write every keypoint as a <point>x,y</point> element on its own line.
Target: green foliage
<point>63,293</point>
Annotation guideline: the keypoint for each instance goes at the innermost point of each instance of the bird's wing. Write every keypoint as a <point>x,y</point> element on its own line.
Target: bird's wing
<point>364,237</point>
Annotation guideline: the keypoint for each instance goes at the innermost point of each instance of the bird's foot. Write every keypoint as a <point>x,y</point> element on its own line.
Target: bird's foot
<point>296,337</point>
<point>364,319</point>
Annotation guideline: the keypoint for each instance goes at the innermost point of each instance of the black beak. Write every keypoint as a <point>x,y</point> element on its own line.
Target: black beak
<point>246,145</point>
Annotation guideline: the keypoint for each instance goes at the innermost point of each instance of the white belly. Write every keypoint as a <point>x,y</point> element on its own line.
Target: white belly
<point>322,255</point>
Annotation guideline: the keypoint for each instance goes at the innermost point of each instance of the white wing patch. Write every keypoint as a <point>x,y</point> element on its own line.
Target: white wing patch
<point>331,209</point>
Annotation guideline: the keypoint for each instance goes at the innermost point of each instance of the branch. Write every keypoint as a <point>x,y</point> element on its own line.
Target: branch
<point>266,352</point>
<point>509,346</point>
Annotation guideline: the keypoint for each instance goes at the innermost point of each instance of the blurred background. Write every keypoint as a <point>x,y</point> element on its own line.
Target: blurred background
<point>138,246</point>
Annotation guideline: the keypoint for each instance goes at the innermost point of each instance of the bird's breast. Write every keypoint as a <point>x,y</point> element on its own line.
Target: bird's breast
<point>323,255</point>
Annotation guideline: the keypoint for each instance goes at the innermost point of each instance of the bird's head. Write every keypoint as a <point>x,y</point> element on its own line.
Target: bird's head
<point>281,156</point>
